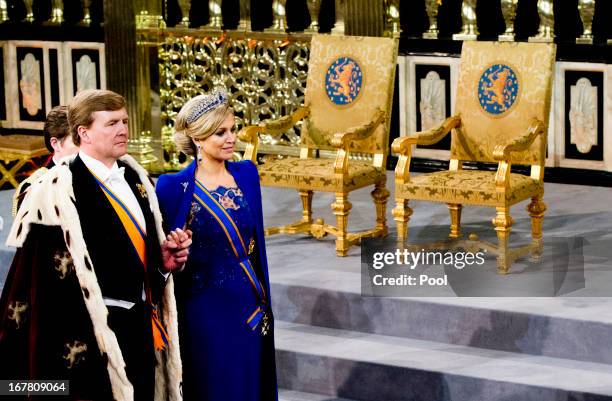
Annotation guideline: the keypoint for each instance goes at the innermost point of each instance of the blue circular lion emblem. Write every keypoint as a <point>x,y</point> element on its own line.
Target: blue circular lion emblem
<point>343,81</point>
<point>497,89</point>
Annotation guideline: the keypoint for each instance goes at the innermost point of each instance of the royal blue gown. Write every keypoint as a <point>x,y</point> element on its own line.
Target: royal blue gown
<point>221,351</point>
<point>223,358</point>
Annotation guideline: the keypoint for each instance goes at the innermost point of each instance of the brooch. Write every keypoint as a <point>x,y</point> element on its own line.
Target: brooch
<point>251,246</point>
<point>142,190</point>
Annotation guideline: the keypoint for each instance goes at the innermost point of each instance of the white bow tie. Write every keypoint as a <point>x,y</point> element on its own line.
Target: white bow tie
<point>116,174</point>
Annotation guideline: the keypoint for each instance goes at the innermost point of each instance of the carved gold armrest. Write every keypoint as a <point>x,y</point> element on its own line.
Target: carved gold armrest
<point>502,153</point>
<point>275,128</point>
<point>403,146</point>
<point>341,140</point>
<point>250,135</point>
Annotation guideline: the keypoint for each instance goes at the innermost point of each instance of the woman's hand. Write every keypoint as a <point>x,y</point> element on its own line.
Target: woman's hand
<point>175,249</point>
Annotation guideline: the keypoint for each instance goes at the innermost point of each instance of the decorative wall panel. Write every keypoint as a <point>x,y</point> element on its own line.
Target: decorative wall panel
<point>433,99</point>
<point>87,67</point>
<point>32,81</point>
<point>583,125</point>
<point>38,75</point>
<point>28,82</point>
<point>427,96</point>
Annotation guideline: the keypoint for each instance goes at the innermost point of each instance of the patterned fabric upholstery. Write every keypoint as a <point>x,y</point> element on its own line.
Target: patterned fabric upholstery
<point>317,174</point>
<point>468,187</point>
<point>373,63</point>
<point>502,87</point>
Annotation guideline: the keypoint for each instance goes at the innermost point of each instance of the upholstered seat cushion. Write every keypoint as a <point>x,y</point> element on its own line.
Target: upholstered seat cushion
<point>317,174</point>
<point>468,187</point>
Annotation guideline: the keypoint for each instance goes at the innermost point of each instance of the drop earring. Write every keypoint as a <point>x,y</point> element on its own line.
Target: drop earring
<point>199,153</point>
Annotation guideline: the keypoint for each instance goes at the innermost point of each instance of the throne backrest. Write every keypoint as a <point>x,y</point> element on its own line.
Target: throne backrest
<point>502,87</point>
<point>349,79</point>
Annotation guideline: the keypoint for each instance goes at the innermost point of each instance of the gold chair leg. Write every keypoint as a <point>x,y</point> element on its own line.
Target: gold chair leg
<point>302,226</point>
<point>341,208</point>
<point>401,215</point>
<point>306,197</point>
<point>380,196</point>
<point>455,213</point>
<point>503,223</point>
<point>536,210</point>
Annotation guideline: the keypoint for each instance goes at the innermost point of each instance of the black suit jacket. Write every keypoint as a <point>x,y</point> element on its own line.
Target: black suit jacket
<point>115,260</point>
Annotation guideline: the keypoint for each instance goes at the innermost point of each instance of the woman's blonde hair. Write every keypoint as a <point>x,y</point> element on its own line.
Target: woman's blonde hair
<point>204,126</point>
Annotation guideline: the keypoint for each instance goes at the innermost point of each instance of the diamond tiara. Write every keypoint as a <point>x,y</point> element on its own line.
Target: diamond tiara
<point>207,103</point>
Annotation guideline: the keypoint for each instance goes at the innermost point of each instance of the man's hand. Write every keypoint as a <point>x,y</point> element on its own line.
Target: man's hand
<point>175,249</point>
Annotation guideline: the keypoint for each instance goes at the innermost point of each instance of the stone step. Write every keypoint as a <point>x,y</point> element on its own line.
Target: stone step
<point>290,395</point>
<point>370,367</point>
<point>568,328</point>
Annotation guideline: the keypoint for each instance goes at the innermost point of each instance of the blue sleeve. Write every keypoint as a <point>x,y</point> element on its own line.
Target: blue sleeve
<point>252,169</point>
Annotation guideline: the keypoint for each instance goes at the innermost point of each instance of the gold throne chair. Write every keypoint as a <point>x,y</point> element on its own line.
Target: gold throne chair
<point>501,116</point>
<point>347,106</point>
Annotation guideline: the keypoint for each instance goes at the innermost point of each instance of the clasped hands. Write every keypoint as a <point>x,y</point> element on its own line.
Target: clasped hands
<point>175,249</point>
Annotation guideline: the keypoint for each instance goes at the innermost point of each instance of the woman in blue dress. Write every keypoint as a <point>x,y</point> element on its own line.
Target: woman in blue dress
<point>225,317</point>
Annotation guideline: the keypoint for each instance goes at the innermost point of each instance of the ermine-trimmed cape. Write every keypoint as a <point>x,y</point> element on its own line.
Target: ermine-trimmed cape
<point>50,201</point>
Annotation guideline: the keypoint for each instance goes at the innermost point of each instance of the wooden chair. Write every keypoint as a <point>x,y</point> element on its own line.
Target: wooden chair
<point>502,110</point>
<point>347,109</point>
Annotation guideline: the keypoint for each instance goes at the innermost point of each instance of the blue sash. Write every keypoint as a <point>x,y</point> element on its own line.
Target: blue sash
<point>204,198</point>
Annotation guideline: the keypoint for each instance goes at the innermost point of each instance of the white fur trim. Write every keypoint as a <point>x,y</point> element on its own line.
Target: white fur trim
<point>49,201</point>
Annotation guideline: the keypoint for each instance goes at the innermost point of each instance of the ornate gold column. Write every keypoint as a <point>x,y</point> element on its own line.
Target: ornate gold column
<point>339,28</point>
<point>185,6</point>
<point>546,31</point>
<point>29,12</point>
<point>149,14</point>
<point>509,13</point>
<point>431,7</point>
<point>245,16</point>
<point>57,13</point>
<point>280,16</point>
<point>392,19</point>
<point>469,29</point>
<point>122,71</point>
<point>586,8</point>
<point>314,7</point>
<point>215,20</point>
<point>86,21</point>
<point>3,11</point>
